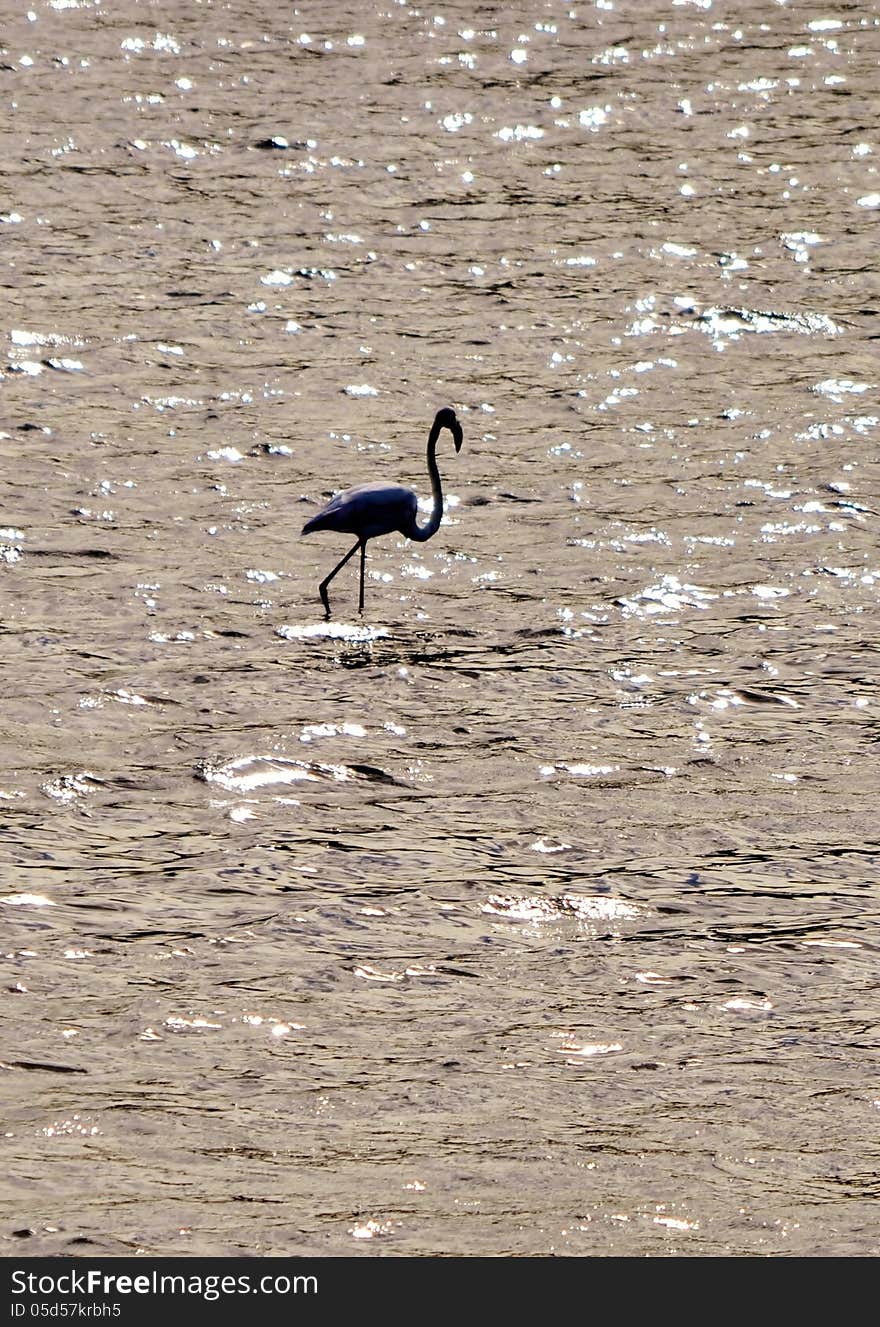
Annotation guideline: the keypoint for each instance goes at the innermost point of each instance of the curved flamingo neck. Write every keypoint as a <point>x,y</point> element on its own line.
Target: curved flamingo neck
<point>432,525</point>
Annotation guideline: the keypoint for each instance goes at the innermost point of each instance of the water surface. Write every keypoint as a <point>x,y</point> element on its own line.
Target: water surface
<point>535,912</point>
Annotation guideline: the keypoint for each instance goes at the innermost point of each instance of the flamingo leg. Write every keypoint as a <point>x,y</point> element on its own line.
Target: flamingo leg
<point>363,567</point>
<point>322,588</point>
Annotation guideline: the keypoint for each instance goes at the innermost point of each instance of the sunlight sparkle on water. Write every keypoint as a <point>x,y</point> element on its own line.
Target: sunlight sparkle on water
<point>332,631</point>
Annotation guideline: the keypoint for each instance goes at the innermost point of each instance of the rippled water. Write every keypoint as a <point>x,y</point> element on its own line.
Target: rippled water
<point>535,911</point>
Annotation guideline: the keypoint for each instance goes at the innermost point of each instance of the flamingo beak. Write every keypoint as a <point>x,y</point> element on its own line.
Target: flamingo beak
<point>457,435</point>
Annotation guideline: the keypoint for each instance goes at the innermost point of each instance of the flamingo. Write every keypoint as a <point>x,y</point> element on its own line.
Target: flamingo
<point>369,510</point>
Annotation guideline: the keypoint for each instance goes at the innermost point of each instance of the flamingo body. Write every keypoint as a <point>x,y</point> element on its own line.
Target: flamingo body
<point>370,510</point>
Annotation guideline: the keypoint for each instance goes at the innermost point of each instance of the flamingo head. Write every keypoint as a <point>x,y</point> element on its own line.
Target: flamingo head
<point>447,419</point>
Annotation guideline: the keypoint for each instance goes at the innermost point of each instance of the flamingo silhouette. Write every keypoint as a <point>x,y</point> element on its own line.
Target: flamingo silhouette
<point>369,510</point>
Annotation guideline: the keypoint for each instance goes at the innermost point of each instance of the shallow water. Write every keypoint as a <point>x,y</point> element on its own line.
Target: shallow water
<point>535,911</point>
